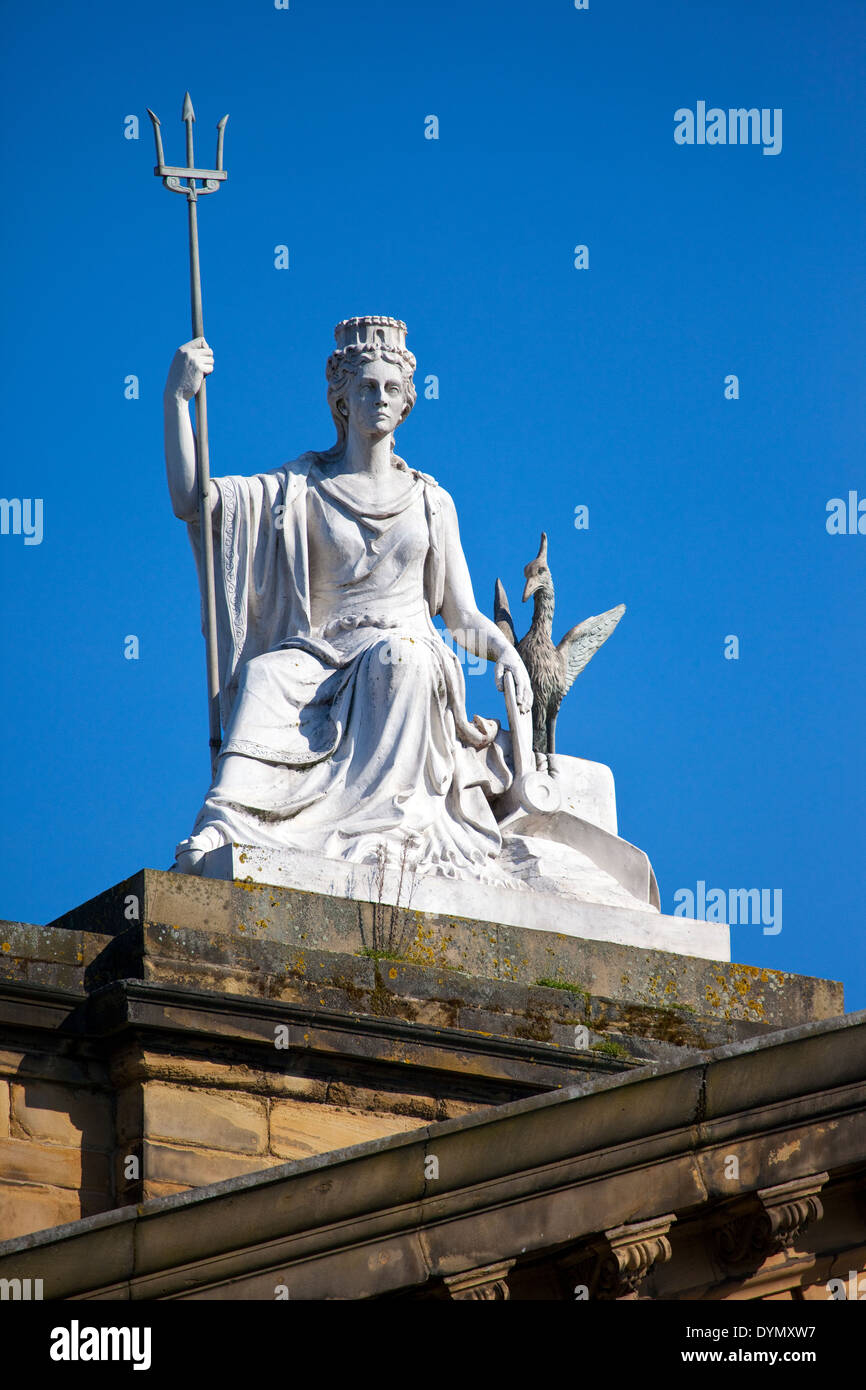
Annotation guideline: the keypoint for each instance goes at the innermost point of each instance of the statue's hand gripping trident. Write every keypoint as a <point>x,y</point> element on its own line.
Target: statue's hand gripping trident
<point>187,180</point>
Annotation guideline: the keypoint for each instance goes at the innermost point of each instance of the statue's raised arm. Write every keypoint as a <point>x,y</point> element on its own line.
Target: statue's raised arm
<point>191,363</point>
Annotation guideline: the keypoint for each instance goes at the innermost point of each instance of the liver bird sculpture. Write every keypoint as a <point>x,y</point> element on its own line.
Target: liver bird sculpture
<point>552,669</point>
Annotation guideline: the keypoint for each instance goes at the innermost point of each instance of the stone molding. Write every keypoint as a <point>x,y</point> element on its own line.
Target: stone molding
<point>615,1264</point>
<point>583,1170</point>
<point>768,1222</point>
<point>489,1283</point>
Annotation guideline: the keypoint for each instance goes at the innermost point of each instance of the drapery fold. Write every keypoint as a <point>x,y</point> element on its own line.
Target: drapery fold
<point>343,708</point>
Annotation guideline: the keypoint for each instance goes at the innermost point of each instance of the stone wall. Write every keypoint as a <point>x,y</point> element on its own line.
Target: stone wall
<point>174,1033</point>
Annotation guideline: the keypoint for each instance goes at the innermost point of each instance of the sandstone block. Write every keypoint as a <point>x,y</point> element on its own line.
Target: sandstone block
<point>59,1114</point>
<point>82,1071</point>
<point>128,1115</point>
<point>195,1167</point>
<point>4,1109</point>
<point>162,1189</point>
<point>26,1207</point>
<point>394,1102</point>
<point>299,1128</point>
<point>310,1087</point>
<point>456,1109</point>
<point>24,1160</point>
<point>211,1119</point>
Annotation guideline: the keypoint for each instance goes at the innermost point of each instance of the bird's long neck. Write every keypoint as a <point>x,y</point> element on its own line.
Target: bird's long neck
<point>543,619</point>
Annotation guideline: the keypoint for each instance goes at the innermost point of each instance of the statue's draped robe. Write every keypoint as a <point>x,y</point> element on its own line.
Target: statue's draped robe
<point>342,700</point>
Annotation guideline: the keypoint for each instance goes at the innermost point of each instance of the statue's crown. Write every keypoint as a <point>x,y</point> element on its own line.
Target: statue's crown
<point>371,330</point>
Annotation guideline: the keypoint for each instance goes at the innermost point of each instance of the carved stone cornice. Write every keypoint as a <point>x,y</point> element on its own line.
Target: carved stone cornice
<point>767,1222</point>
<point>615,1264</point>
<point>487,1283</point>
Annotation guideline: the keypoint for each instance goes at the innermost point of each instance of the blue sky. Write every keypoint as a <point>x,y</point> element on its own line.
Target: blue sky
<point>558,387</point>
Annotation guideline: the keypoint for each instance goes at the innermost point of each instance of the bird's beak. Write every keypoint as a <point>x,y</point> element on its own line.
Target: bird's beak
<point>530,588</point>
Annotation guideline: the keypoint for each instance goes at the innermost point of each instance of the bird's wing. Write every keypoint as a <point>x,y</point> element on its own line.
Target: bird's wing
<point>580,645</point>
<point>502,613</point>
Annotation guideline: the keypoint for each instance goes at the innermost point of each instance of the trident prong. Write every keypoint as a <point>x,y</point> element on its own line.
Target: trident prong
<point>188,117</point>
<point>157,133</point>
<point>221,130</point>
<point>173,178</point>
<point>183,180</point>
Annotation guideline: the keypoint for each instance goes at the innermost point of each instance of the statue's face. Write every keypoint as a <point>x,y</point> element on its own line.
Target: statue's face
<point>375,398</point>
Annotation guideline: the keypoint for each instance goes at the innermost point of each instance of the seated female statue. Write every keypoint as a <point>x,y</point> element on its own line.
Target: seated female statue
<point>343,708</point>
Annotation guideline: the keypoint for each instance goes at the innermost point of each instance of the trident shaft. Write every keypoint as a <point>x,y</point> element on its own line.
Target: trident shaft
<point>185,180</point>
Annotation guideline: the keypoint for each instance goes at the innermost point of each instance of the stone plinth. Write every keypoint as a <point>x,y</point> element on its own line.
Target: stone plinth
<point>624,919</point>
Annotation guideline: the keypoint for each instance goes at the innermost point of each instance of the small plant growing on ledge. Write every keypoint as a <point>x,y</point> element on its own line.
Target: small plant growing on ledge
<point>549,983</point>
<point>610,1049</point>
<point>390,922</point>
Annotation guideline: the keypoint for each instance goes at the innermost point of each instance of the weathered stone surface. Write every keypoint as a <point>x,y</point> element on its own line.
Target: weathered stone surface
<point>154,1189</point>
<point>83,1069</point>
<point>304,923</point>
<point>617,899</point>
<point>177,1050</point>
<point>57,1114</point>
<point>746,1073</point>
<point>539,1185</point>
<point>129,1115</point>
<point>23,1161</point>
<point>299,1129</point>
<point>211,1119</point>
<point>196,1167</point>
<point>26,1207</point>
<point>212,1072</point>
<point>23,940</point>
<point>392,1102</point>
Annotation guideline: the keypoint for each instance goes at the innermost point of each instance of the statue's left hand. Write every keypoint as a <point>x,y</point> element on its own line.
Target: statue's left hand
<point>510,661</point>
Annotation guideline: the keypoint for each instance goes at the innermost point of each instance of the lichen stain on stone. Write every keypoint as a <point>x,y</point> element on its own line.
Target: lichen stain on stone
<point>784,1153</point>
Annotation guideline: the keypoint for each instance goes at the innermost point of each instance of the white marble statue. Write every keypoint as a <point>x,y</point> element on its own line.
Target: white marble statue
<point>343,709</point>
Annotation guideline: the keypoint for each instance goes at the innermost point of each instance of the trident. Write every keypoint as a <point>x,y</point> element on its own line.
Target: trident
<point>210,179</point>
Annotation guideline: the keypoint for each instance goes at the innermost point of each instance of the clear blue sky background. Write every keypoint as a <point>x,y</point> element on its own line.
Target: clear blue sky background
<point>558,387</point>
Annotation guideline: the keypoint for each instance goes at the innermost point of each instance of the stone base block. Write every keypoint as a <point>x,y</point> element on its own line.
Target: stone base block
<point>639,925</point>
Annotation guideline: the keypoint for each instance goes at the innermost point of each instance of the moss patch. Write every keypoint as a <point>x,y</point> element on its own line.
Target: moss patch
<point>610,1049</point>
